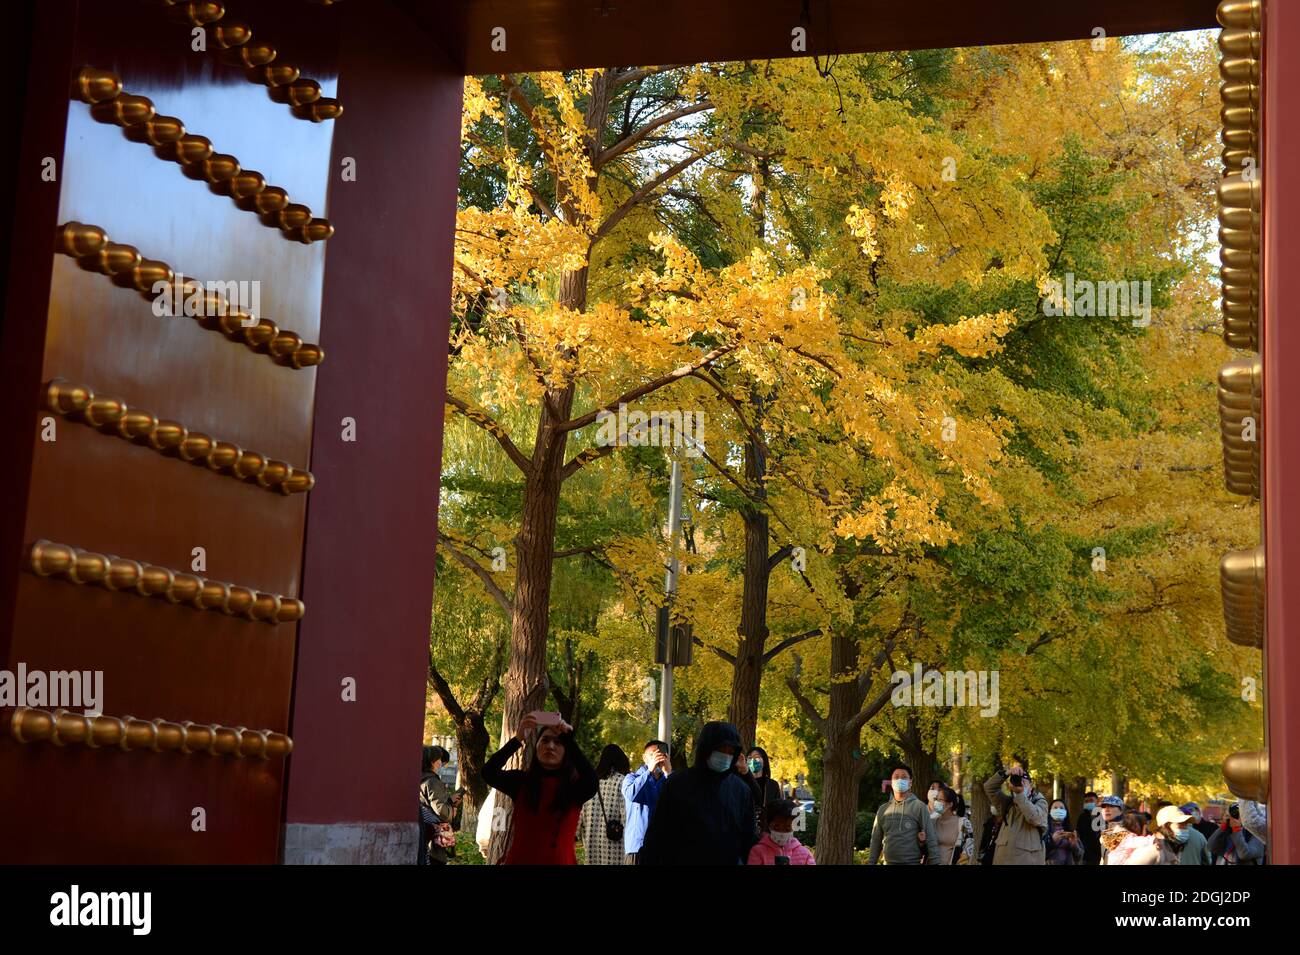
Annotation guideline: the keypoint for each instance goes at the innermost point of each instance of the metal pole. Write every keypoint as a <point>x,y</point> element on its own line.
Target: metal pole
<point>670,589</point>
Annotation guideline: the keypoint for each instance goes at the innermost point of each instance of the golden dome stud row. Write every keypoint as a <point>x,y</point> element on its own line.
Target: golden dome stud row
<point>1240,192</point>
<point>140,427</point>
<point>1241,578</point>
<point>122,574</point>
<point>234,41</point>
<point>141,123</point>
<point>64,727</point>
<point>1241,573</point>
<point>1240,397</point>
<point>90,246</point>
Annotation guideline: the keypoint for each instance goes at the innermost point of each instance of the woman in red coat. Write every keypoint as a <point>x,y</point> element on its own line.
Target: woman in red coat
<point>547,796</point>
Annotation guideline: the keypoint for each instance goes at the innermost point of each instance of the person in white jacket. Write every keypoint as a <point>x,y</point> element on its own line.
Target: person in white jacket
<point>1254,819</point>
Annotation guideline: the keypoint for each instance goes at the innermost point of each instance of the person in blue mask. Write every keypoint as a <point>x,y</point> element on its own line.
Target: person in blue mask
<point>1197,850</point>
<point>903,825</point>
<point>1061,844</point>
<point>1088,828</point>
<point>705,815</point>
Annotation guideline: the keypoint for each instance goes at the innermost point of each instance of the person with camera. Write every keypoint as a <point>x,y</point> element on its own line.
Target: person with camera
<point>601,824</point>
<point>438,807</point>
<point>1232,843</point>
<point>1023,814</point>
<point>903,825</point>
<point>548,795</point>
<point>778,846</point>
<point>641,792</point>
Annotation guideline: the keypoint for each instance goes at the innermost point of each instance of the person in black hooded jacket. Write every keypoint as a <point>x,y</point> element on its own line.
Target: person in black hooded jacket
<point>705,815</point>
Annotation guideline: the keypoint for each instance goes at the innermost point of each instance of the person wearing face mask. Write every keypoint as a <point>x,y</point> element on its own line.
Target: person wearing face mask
<point>1061,843</point>
<point>705,815</point>
<point>1123,832</point>
<point>765,788</point>
<point>951,828</point>
<point>1024,818</point>
<point>1197,849</point>
<point>936,788</point>
<point>1088,829</point>
<point>641,792</point>
<point>1202,825</point>
<point>547,796</point>
<point>778,846</point>
<point>1172,839</point>
<point>903,825</point>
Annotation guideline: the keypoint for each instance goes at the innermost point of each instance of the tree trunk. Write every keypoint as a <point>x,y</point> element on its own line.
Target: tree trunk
<point>979,811</point>
<point>841,762</point>
<point>472,739</point>
<point>526,682</point>
<point>747,677</point>
<point>1118,784</point>
<point>918,755</point>
<point>838,806</point>
<point>1074,796</point>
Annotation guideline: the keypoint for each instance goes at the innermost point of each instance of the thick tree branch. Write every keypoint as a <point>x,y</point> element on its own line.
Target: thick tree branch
<point>729,657</point>
<point>641,391</point>
<point>663,119</point>
<point>492,427</point>
<point>484,575</point>
<point>445,693</point>
<point>637,197</point>
<point>778,556</point>
<point>805,704</point>
<point>788,642</point>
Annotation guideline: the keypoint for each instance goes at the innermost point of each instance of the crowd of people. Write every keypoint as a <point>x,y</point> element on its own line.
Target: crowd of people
<point>727,809</point>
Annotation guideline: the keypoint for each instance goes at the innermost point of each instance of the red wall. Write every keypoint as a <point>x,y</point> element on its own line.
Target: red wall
<point>371,521</point>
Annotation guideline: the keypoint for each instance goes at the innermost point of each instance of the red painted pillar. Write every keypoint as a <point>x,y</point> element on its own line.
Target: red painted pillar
<point>371,522</point>
<point>1281,344</point>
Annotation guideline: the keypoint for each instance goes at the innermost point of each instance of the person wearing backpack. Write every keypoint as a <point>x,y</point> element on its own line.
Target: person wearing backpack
<point>600,826</point>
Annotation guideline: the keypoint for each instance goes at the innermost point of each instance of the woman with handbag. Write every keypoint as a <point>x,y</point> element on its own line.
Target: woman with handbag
<point>548,795</point>
<point>438,807</point>
<point>600,827</point>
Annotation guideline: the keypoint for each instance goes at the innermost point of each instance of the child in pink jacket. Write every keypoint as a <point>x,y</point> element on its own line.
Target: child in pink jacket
<point>778,845</point>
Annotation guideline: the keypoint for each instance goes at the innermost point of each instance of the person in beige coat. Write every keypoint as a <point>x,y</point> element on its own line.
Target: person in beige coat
<point>1024,818</point>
